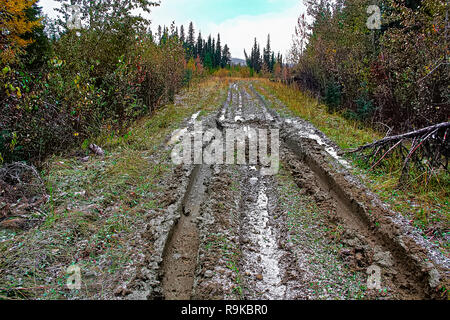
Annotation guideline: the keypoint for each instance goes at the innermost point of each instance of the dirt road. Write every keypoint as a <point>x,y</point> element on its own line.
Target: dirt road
<point>311,231</point>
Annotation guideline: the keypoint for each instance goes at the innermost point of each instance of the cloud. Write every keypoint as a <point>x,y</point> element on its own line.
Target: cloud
<point>239,32</point>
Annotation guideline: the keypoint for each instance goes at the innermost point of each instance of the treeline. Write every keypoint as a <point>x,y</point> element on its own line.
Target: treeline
<point>58,91</point>
<point>209,51</point>
<point>395,73</point>
<point>265,63</point>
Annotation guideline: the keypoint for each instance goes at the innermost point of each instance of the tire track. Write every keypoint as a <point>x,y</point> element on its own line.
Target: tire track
<point>264,265</point>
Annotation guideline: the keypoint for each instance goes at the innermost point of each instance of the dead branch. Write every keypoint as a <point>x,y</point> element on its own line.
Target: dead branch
<point>428,149</point>
<point>409,135</point>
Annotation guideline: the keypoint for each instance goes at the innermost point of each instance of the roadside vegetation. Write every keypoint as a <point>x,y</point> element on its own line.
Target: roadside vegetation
<point>423,200</point>
<point>98,207</point>
<point>112,85</point>
<point>62,84</point>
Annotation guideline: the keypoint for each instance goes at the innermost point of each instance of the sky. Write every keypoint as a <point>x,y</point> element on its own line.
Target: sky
<point>237,21</point>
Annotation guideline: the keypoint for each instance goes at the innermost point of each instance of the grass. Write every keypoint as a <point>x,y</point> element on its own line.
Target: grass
<point>96,209</point>
<point>424,200</point>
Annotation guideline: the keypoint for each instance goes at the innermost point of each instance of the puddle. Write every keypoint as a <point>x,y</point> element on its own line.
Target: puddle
<point>262,255</point>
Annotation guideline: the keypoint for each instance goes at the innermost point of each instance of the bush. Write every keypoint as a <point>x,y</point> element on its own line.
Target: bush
<point>396,75</point>
<point>104,75</point>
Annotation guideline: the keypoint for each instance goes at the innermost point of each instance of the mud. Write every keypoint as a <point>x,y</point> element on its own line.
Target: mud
<point>311,232</point>
<point>180,255</point>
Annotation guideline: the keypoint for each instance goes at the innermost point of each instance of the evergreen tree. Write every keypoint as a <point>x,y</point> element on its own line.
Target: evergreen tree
<point>267,53</point>
<point>159,34</point>
<point>36,54</point>
<point>212,53</point>
<point>182,36</point>
<point>280,59</point>
<point>191,40</point>
<point>200,46</point>
<point>226,57</point>
<point>272,62</point>
<point>218,54</point>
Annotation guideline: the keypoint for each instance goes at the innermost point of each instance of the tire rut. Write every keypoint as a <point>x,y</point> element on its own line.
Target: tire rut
<point>264,265</point>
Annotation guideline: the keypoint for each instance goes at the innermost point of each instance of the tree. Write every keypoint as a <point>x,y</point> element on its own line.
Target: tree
<point>16,22</point>
<point>266,54</point>
<point>160,34</point>
<point>200,51</point>
<point>299,39</point>
<point>182,36</point>
<point>218,52</point>
<point>191,40</point>
<point>36,53</point>
<point>226,57</point>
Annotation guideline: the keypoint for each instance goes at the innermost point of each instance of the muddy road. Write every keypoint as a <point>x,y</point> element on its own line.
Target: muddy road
<point>311,230</point>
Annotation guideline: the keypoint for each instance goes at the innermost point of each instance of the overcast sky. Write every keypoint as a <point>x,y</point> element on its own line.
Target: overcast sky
<point>237,21</point>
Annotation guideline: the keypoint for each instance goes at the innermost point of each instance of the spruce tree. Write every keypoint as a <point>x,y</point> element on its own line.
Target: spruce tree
<point>191,40</point>
<point>267,53</point>
<point>226,57</point>
<point>218,53</point>
<point>182,36</point>
<point>200,46</point>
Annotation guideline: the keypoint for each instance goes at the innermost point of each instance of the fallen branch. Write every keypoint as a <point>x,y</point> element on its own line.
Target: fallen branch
<point>428,149</point>
<point>409,135</point>
<point>392,148</point>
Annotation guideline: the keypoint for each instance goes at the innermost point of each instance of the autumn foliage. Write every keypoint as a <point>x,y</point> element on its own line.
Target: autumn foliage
<point>15,24</point>
<point>99,77</point>
<point>397,75</point>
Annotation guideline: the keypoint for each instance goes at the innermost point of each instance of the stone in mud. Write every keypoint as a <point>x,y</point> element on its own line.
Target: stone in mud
<point>434,278</point>
<point>209,274</point>
<point>122,292</point>
<point>384,259</point>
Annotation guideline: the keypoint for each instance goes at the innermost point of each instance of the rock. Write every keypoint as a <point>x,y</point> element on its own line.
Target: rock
<point>122,292</point>
<point>259,277</point>
<point>384,259</point>
<point>435,278</point>
<point>359,256</point>
<point>97,150</point>
<point>209,274</point>
<point>13,224</point>
<point>345,252</point>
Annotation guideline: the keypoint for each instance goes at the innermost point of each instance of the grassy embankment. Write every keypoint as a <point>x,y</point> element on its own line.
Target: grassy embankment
<point>424,200</point>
